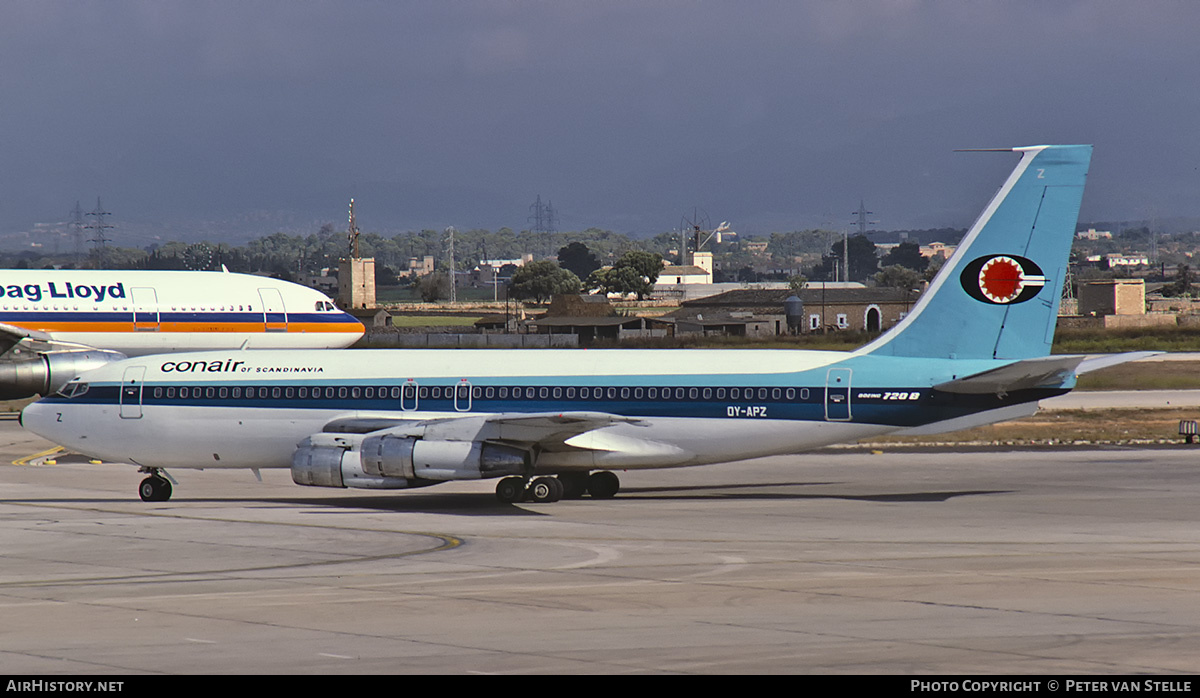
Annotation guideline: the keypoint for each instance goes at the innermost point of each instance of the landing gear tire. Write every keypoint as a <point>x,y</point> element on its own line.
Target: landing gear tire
<point>603,485</point>
<point>574,485</point>
<point>510,490</point>
<point>545,490</point>
<point>155,489</point>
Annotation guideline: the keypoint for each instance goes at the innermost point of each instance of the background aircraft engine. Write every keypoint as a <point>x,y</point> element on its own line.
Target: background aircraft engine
<point>395,462</point>
<point>46,373</point>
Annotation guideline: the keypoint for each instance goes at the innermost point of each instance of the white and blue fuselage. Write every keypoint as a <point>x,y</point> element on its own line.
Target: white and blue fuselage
<point>691,407</point>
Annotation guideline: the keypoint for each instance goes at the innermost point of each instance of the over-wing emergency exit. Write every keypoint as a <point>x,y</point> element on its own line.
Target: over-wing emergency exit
<point>55,323</point>
<point>555,423</point>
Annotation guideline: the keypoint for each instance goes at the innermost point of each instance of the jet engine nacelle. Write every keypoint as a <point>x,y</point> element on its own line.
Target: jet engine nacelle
<point>46,373</point>
<point>389,461</point>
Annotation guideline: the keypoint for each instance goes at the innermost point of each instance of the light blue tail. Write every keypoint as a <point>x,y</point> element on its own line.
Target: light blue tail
<point>997,296</point>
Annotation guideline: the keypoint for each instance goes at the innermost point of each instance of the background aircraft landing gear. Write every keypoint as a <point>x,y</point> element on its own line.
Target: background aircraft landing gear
<point>155,488</point>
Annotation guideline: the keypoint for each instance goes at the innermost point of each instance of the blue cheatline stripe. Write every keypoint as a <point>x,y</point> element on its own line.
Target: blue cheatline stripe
<point>890,406</point>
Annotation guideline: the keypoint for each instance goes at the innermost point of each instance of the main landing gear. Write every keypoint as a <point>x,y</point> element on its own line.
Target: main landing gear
<point>600,485</point>
<point>155,488</point>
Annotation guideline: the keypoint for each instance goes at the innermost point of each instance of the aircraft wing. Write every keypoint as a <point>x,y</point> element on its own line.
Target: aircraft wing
<point>1042,372</point>
<point>547,430</point>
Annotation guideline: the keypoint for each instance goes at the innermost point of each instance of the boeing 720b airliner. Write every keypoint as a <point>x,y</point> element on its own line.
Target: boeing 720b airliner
<point>56,323</point>
<point>553,423</point>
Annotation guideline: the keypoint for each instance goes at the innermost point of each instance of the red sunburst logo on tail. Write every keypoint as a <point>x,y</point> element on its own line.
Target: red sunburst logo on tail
<point>1002,279</point>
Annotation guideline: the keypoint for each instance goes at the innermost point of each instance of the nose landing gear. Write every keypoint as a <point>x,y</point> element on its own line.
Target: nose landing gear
<point>155,488</point>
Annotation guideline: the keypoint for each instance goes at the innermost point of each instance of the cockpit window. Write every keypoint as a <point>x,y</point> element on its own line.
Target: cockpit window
<point>73,389</point>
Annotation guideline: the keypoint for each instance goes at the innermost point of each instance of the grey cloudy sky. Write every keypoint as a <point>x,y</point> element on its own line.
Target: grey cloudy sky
<point>772,115</point>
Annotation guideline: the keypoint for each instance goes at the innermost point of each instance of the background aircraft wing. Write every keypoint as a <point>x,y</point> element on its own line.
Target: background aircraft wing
<point>11,335</point>
<point>18,340</point>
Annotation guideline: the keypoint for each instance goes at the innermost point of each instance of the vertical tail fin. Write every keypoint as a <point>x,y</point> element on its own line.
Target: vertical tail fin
<point>997,297</point>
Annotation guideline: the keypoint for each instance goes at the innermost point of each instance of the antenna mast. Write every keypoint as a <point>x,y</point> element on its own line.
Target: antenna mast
<point>453,286</point>
<point>352,234</point>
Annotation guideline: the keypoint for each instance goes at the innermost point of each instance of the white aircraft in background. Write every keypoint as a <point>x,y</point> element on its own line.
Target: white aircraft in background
<point>974,350</point>
<point>56,323</point>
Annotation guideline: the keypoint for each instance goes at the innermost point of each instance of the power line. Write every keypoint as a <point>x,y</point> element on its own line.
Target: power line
<point>99,241</point>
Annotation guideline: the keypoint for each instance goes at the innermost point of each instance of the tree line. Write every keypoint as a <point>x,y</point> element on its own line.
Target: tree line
<point>592,258</point>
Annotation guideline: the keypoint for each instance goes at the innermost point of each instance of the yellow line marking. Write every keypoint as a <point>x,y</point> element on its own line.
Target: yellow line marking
<point>35,456</point>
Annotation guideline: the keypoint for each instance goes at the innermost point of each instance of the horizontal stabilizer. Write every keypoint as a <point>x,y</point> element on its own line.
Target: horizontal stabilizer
<point>1095,363</point>
<point>1044,372</point>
